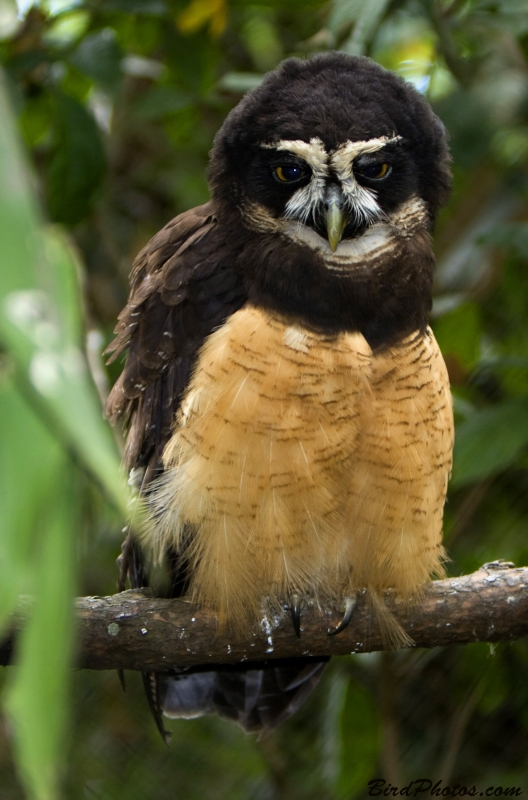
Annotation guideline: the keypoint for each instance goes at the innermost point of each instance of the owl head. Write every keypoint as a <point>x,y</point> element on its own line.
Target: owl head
<point>334,132</point>
<point>334,169</point>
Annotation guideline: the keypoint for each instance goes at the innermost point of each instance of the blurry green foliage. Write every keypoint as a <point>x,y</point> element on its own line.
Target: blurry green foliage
<point>358,746</point>
<point>49,415</point>
<point>117,103</point>
<point>77,161</point>
<point>458,332</point>
<point>38,692</point>
<point>98,56</point>
<point>490,440</point>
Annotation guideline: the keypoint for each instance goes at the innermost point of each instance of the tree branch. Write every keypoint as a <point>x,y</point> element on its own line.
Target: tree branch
<point>133,630</point>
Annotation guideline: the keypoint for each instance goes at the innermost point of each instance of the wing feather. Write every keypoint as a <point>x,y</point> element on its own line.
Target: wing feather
<point>182,287</point>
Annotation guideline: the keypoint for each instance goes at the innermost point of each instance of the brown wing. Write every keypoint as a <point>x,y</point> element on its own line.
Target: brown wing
<point>183,286</point>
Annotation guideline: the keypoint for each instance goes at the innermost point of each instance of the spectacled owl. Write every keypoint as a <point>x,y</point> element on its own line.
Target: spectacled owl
<point>288,410</point>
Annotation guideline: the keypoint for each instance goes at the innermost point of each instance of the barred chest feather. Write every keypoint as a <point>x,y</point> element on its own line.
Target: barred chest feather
<point>305,464</point>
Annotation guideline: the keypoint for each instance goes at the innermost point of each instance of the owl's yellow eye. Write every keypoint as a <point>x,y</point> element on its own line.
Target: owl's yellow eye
<point>289,173</point>
<point>374,171</point>
<point>382,171</point>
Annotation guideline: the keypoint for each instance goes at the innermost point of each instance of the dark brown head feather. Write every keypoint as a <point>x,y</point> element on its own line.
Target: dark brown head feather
<point>335,97</point>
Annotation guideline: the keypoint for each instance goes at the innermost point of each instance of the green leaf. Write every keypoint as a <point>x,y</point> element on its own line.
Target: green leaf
<point>489,441</point>
<point>156,8</point>
<point>10,21</point>
<point>38,691</point>
<point>98,56</point>
<point>510,235</point>
<point>470,124</point>
<point>162,100</point>
<point>35,118</point>
<point>240,82</point>
<point>365,18</point>
<point>350,734</point>
<point>360,741</point>
<point>48,409</point>
<point>21,64</point>
<point>29,459</point>
<point>78,162</point>
<point>41,326</point>
<point>458,333</point>
<point>510,15</point>
<point>41,321</point>
<point>67,27</point>
<point>261,37</point>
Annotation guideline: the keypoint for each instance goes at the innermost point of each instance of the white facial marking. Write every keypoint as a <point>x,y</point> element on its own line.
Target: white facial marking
<point>360,200</point>
<point>313,152</point>
<point>410,216</point>
<point>306,199</point>
<point>350,251</point>
<point>342,159</point>
<point>363,251</point>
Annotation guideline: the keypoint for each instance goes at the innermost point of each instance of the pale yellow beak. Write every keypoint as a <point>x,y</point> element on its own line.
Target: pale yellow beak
<point>335,219</point>
<point>335,224</point>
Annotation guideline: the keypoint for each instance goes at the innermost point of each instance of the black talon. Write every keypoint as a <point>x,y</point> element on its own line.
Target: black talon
<point>121,676</point>
<point>295,608</point>
<point>350,604</point>
<point>124,559</point>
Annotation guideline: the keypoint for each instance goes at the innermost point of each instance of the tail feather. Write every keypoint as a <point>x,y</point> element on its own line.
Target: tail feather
<point>259,696</point>
<point>187,696</point>
<point>152,686</point>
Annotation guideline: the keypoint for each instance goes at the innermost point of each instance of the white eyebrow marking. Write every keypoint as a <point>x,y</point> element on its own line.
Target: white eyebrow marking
<point>313,152</point>
<point>360,198</point>
<point>306,199</point>
<point>342,158</point>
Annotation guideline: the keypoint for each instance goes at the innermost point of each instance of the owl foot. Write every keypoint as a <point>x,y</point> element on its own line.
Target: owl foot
<point>295,609</point>
<point>350,604</point>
